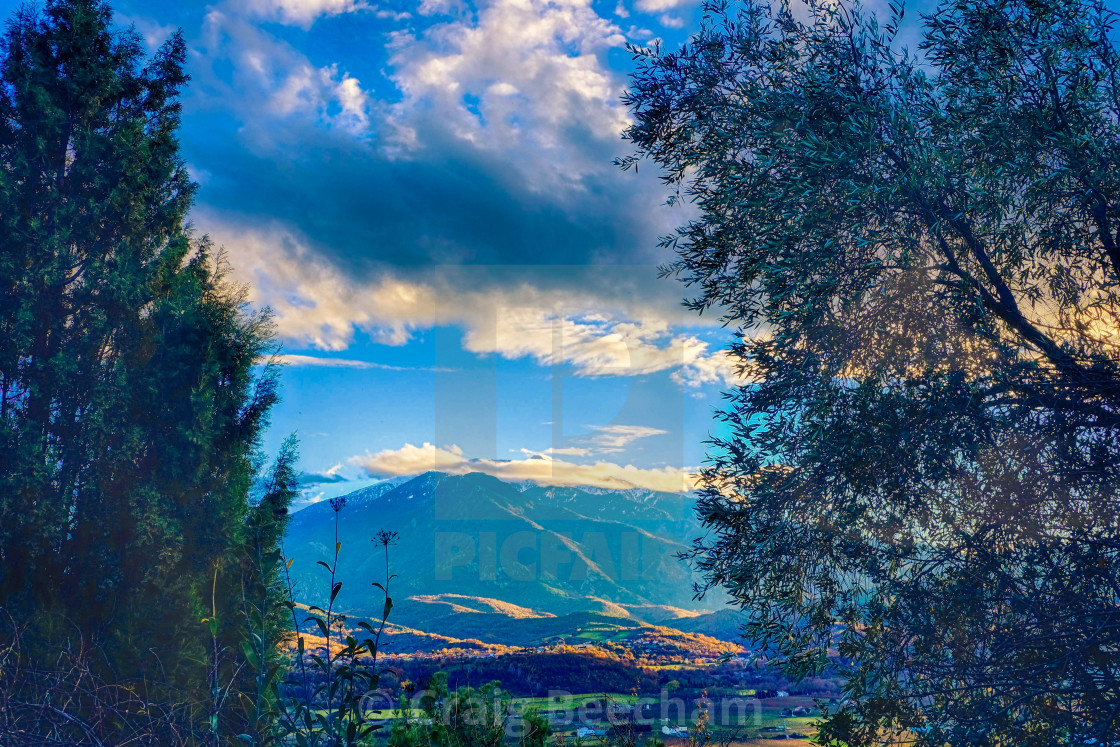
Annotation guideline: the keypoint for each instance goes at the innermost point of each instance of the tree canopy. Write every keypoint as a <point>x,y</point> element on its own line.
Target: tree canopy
<point>131,402</point>
<point>919,252</point>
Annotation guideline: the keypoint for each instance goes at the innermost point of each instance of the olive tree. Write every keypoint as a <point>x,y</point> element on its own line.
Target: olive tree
<point>920,252</point>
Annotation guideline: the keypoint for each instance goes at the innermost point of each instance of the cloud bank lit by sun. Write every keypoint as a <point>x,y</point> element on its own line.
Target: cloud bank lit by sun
<point>414,460</point>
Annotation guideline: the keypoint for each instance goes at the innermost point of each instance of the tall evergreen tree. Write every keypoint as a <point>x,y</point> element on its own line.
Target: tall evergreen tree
<point>257,618</point>
<point>130,404</point>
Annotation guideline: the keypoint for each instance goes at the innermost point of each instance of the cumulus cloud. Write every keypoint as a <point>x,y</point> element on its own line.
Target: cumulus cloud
<point>595,346</point>
<point>411,460</point>
<point>270,85</point>
<point>721,367</point>
<point>315,304</point>
<point>307,90</point>
<point>303,12</point>
<point>485,137</point>
<point>348,212</point>
<point>524,76</point>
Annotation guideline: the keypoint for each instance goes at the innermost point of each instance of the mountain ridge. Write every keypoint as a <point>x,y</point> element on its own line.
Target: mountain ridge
<point>479,558</point>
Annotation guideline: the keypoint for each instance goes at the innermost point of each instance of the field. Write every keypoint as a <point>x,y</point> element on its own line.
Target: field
<point>768,715</point>
<point>743,722</point>
<point>747,722</point>
<point>572,701</point>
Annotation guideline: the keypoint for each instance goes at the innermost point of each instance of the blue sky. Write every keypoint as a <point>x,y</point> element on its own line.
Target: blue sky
<point>423,193</point>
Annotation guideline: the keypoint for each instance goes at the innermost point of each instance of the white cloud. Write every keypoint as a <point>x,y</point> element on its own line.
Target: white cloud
<point>524,77</point>
<point>411,460</point>
<point>273,84</point>
<point>303,12</point>
<point>551,452</point>
<point>307,90</point>
<point>312,360</point>
<point>354,102</point>
<point>317,305</point>
<point>721,367</point>
<point>607,439</point>
<point>615,438</point>
<point>440,7</point>
<point>658,6</point>
<point>642,35</point>
<point>524,81</point>
<point>595,346</point>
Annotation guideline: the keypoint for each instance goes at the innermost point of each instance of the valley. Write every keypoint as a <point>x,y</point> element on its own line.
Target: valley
<point>484,566</point>
<point>549,591</point>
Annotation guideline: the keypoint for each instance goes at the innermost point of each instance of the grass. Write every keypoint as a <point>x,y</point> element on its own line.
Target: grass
<point>749,731</point>
<point>571,702</point>
<point>388,713</point>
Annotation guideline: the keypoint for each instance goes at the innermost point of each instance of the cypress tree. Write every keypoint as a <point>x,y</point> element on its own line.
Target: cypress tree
<point>131,403</point>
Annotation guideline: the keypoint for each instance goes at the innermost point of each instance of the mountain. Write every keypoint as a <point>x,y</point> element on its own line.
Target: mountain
<point>514,564</point>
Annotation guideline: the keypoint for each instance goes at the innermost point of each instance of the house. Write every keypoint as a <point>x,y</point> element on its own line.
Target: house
<point>590,731</point>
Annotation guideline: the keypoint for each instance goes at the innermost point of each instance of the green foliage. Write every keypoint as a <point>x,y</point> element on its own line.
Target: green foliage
<point>130,400</point>
<point>921,256</point>
<point>252,658</point>
<point>468,717</point>
<point>324,705</point>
